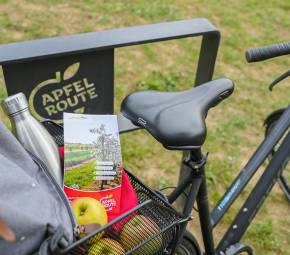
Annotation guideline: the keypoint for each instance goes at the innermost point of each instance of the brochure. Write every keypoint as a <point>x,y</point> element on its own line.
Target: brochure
<point>92,159</point>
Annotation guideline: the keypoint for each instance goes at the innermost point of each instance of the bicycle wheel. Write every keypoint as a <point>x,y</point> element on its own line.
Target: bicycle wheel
<point>284,179</point>
<point>188,246</point>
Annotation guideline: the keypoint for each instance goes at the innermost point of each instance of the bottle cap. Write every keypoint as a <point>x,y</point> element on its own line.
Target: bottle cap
<point>14,104</point>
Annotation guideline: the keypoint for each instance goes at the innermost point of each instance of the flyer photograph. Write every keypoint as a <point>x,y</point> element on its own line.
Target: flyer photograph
<point>92,158</point>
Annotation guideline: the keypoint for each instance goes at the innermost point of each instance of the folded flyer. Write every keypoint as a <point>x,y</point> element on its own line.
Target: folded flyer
<point>92,159</point>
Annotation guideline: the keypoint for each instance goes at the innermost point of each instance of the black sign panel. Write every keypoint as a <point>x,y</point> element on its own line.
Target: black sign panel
<point>80,83</point>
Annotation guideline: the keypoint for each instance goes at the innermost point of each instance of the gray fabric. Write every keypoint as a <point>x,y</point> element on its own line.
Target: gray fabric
<point>28,200</point>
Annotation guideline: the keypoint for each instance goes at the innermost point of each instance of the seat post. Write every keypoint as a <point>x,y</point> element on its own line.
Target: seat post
<point>199,159</point>
<point>197,191</point>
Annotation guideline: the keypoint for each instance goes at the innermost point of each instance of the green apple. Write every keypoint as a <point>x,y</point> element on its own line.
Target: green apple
<point>137,230</point>
<point>106,246</point>
<point>89,210</point>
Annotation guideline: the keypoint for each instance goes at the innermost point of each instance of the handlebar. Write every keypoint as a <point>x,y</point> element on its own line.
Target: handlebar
<point>267,52</point>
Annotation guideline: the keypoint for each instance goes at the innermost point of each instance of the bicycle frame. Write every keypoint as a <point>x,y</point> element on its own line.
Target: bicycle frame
<point>255,199</point>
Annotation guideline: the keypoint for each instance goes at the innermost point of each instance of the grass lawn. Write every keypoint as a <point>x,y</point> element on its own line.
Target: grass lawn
<point>234,128</point>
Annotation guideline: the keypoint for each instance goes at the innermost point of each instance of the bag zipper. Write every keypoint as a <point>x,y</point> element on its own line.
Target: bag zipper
<point>40,163</point>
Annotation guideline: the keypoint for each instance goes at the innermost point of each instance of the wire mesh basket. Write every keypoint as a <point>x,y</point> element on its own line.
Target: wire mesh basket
<point>55,130</point>
<point>150,228</point>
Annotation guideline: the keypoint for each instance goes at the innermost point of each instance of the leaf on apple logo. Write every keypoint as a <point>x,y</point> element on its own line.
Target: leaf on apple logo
<point>71,71</point>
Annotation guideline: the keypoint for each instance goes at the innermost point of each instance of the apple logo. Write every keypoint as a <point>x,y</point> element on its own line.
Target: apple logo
<point>65,92</point>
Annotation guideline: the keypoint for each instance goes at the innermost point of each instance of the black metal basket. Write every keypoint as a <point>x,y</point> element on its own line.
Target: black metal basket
<point>150,228</point>
<point>55,130</point>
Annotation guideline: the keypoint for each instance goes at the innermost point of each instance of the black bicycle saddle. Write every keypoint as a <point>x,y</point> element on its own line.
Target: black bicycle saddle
<point>176,119</point>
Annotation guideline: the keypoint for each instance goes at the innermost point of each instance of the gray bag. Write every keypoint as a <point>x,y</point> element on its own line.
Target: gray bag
<point>31,203</point>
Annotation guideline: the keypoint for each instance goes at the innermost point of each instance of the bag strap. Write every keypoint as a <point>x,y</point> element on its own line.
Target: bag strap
<point>56,240</point>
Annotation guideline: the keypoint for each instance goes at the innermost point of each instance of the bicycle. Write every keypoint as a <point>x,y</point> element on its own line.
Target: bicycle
<point>167,116</point>
<point>270,123</point>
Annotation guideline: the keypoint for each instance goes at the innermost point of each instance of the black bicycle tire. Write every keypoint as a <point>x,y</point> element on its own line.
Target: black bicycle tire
<point>188,246</point>
<point>269,125</point>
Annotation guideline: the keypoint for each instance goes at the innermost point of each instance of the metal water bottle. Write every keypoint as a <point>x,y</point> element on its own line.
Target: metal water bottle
<point>32,135</point>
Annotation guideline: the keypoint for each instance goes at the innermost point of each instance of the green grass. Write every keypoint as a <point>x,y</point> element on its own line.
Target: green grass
<point>234,127</point>
<point>157,80</point>
<point>262,233</point>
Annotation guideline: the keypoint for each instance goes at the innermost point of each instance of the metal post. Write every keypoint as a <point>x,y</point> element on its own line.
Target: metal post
<point>204,73</point>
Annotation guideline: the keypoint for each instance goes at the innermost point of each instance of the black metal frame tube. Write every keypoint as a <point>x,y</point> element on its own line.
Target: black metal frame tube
<point>251,167</point>
<point>195,185</point>
<point>197,192</point>
<point>257,196</point>
<point>180,189</point>
<point>202,203</point>
<point>204,216</point>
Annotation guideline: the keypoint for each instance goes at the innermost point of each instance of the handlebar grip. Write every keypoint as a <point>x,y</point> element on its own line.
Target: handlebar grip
<point>266,52</point>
